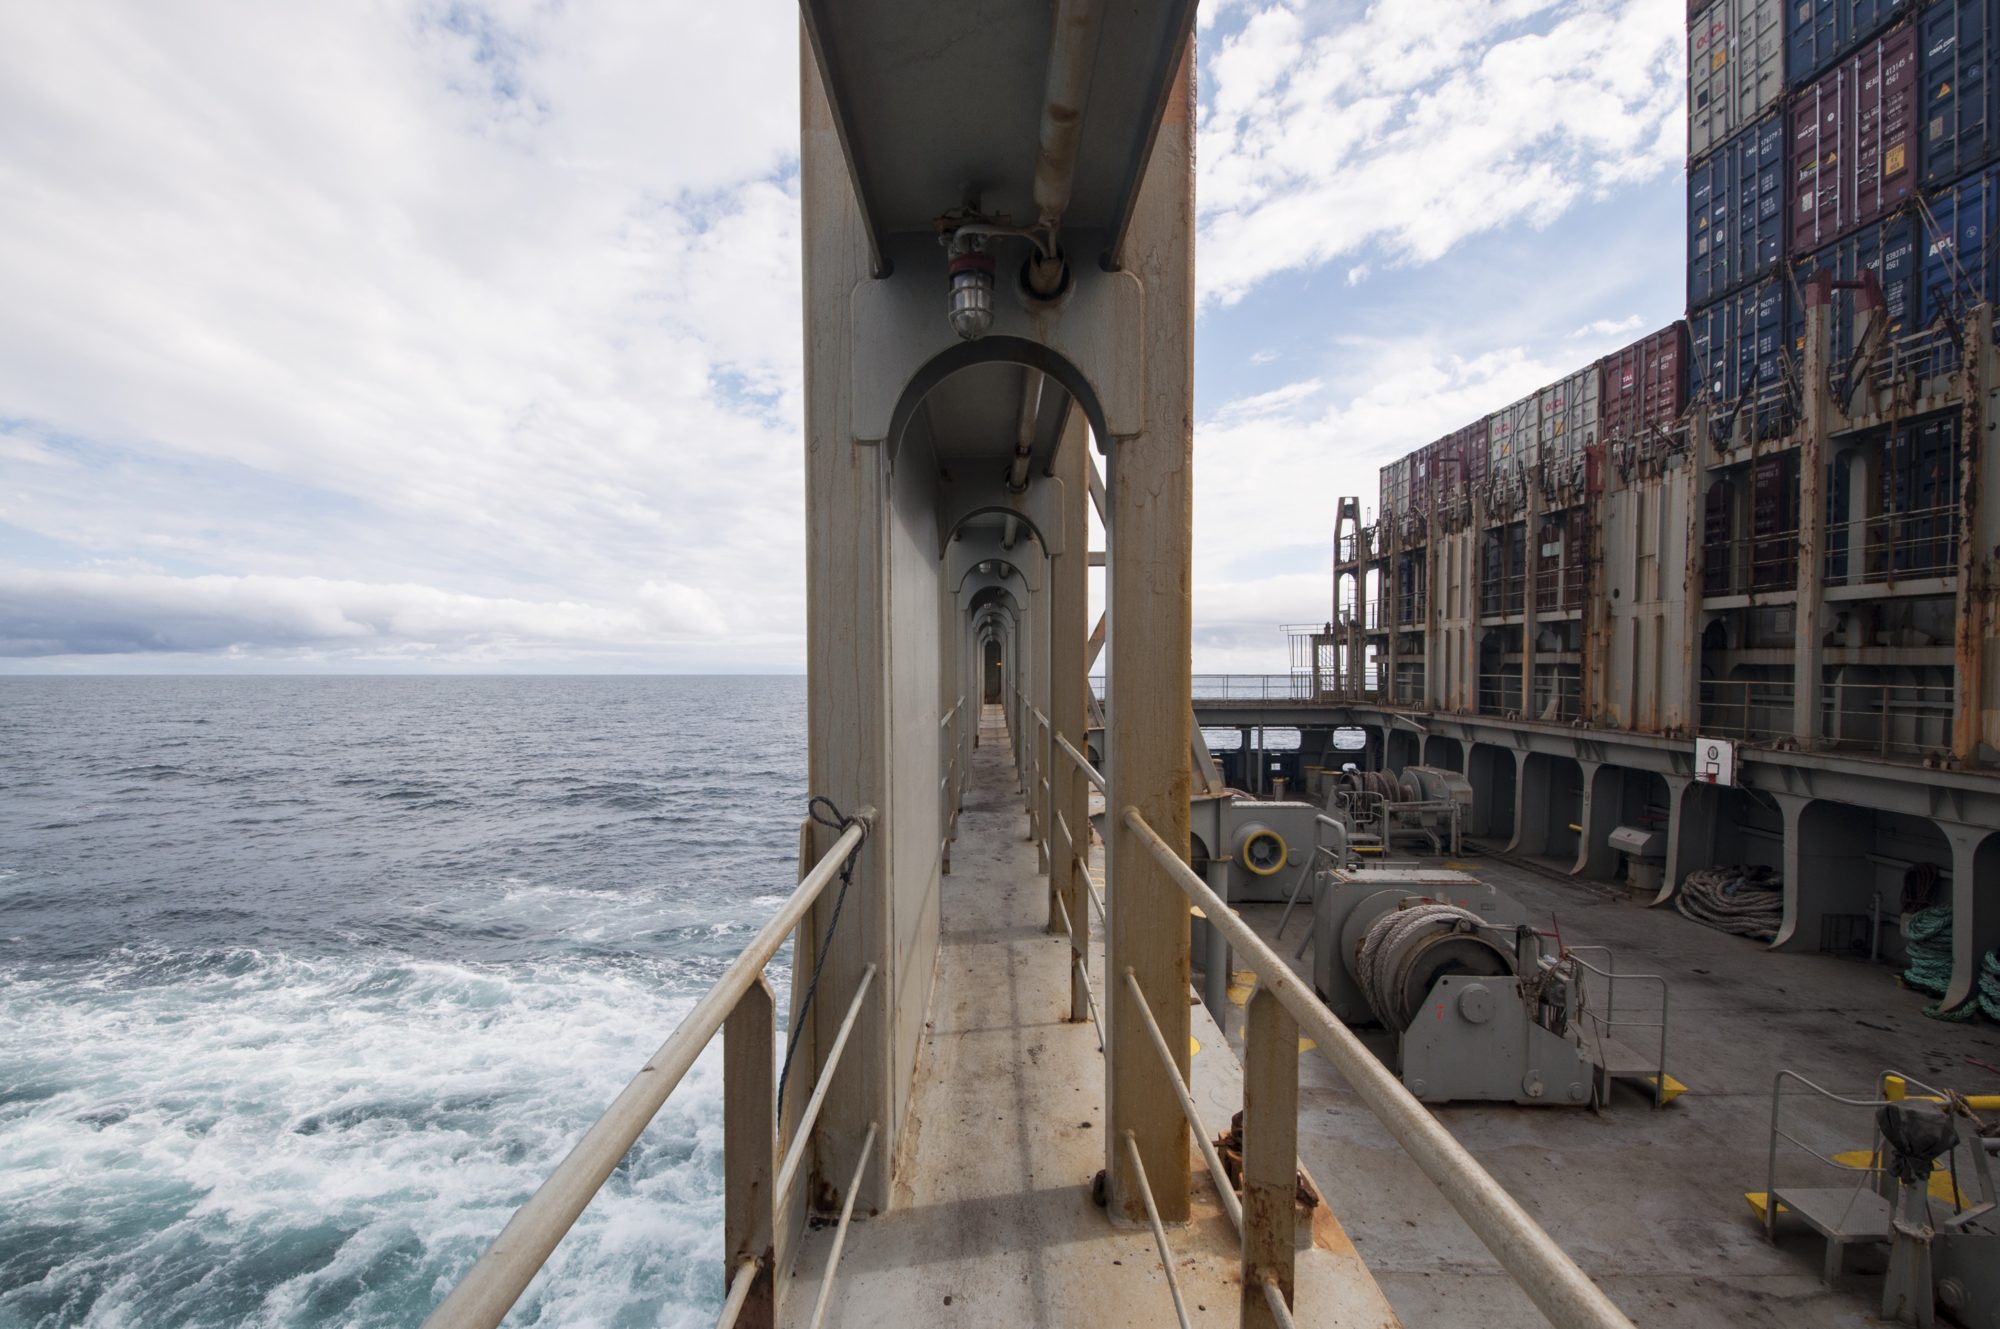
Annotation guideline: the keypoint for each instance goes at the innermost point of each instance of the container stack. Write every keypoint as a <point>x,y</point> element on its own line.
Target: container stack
<point>1847,137</point>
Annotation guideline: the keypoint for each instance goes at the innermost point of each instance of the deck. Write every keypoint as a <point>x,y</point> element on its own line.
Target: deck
<point>993,1221</point>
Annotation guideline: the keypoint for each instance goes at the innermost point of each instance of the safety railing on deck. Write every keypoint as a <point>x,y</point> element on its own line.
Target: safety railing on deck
<point>1751,563</point>
<point>1279,1008</point>
<point>1500,694</point>
<point>740,1005</point>
<point>1903,718</point>
<point>1605,1020</point>
<point>1746,708</point>
<point>1893,546</point>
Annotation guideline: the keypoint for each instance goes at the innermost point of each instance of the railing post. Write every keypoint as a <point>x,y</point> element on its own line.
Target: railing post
<point>749,1150</point>
<point>1270,1154</point>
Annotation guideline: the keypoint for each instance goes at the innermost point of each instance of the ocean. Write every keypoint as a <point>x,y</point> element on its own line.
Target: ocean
<point>306,983</point>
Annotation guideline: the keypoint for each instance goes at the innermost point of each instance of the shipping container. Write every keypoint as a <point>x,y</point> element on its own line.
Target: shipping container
<point>1512,436</point>
<point>1644,386</point>
<point>1569,417</point>
<point>1447,469</point>
<point>1958,95</point>
<point>1959,267</point>
<point>1889,250</point>
<point>1472,450</point>
<point>1818,32</point>
<point>1736,212</point>
<point>1420,479</point>
<point>1736,58</point>
<point>1854,141</point>
<point>1737,346</point>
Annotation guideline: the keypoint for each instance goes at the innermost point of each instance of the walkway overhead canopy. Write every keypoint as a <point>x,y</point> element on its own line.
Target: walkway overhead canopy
<point>938,103</point>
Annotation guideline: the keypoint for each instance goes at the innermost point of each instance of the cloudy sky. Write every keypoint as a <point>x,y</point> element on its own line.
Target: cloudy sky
<point>447,336</point>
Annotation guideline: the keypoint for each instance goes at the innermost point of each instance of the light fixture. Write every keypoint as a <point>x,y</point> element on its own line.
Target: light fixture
<point>971,290</point>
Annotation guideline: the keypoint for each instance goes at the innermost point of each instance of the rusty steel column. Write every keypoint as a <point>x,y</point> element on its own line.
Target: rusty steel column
<point>1069,613</point>
<point>1270,1154</point>
<point>749,1150</point>
<point>1808,611</point>
<point>1148,618</point>
<point>1976,708</point>
<point>1695,570</point>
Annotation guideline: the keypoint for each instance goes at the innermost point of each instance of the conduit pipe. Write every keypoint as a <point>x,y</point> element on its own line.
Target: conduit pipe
<point>1025,430</point>
<point>1072,55</point>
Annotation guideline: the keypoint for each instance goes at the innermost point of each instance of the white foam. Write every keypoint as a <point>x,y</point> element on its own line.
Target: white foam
<point>282,1141</point>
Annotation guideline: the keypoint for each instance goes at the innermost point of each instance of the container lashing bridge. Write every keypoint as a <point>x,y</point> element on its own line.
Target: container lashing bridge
<point>999,315</point>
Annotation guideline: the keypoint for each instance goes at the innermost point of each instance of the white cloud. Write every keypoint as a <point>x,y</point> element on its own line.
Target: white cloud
<point>75,613</point>
<point>1423,123</point>
<point>499,298</point>
<point>1610,327</point>
<point>1358,273</point>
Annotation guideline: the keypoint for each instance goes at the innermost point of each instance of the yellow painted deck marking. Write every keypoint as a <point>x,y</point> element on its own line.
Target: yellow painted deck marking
<point>1306,1045</point>
<point>1194,1045</point>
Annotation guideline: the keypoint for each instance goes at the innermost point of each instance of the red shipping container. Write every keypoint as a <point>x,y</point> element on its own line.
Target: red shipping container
<point>1420,479</point>
<point>1471,443</point>
<point>1854,141</point>
<point>1645,384</point>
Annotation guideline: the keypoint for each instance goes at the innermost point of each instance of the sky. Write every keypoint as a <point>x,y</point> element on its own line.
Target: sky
<point>412,335</point>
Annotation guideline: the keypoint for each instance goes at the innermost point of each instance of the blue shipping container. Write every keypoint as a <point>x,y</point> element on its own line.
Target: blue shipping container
<point>1738,344</point>
<point>1960,268</point>
<point>1889,250</point>
<point>1736,212</point>
<point>1818,32</point>
<point>1958,98</point>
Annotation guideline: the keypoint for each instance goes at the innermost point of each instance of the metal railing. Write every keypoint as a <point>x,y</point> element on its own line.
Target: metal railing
<point>1559,586</point>
<point>1747,563</point>
<point>1280,1008</point>
<point>1891,1087</point>
<point>740,1006</point>
<point>1557,697</point>
<point>1905,718</point>
<point>1893,546</point>
<point>1502,594</point>
<point>1605,1019</point>
<point>1252,687</point>
<point>1500,694</point>
<point>1747,708</point>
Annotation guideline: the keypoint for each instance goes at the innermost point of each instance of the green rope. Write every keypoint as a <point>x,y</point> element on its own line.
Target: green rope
<point>1989,985</point>
<point>1927,933</point>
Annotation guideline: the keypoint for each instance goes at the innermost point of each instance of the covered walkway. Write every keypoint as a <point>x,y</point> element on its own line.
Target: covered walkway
<point>992,1220</point>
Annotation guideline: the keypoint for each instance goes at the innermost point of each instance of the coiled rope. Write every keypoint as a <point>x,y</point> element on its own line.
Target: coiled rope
<point>1374,961</point>
<point>1746,899</point>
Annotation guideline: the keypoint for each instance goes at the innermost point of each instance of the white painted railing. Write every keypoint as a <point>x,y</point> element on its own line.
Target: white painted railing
<point>740,1006</point>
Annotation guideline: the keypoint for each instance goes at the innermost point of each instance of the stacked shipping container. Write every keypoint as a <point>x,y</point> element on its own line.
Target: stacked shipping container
<point>1845,136</point>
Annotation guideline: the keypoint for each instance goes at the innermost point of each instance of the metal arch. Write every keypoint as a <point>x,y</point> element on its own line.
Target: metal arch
<point>997,510</point>
<point>1002,349</point>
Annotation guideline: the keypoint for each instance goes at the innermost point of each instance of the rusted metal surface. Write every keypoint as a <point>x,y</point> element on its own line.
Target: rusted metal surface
<point>1270,1154</point>
<point>1976,588</point>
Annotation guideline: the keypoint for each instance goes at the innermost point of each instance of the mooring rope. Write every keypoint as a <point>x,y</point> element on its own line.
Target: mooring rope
<point>1746,899</point>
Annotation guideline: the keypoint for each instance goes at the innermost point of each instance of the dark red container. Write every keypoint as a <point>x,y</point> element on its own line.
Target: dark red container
<point>1644,385</point>
<point>1471,444</point>
<point>1854,141</point>
<point>1420,478</point>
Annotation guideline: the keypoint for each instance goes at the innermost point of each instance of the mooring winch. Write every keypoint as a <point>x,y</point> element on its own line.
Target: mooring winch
<point>1481,1006</point>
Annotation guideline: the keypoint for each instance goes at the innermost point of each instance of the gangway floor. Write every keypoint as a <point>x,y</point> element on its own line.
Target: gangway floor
<point>993,1222</point>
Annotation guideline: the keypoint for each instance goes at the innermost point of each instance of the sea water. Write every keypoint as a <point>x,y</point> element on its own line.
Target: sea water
<point>307,983</point>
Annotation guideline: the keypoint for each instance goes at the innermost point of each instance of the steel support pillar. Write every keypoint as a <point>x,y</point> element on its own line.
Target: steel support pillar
<point>1148,624</point>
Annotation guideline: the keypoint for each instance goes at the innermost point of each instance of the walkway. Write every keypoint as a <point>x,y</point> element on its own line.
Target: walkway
<point>993,1222</point>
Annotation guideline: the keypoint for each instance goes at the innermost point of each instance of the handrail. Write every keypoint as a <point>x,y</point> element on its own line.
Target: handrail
<point>739,1292</point>
<point>1230,1204</point>
<point>1609,1019</point>
<point>495,1282</point>
<point>1090,773</point>
<point>1159,1230</point>
<point>1552,1280</point>
<point>802,1135</point>
<point>840,1232</point>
